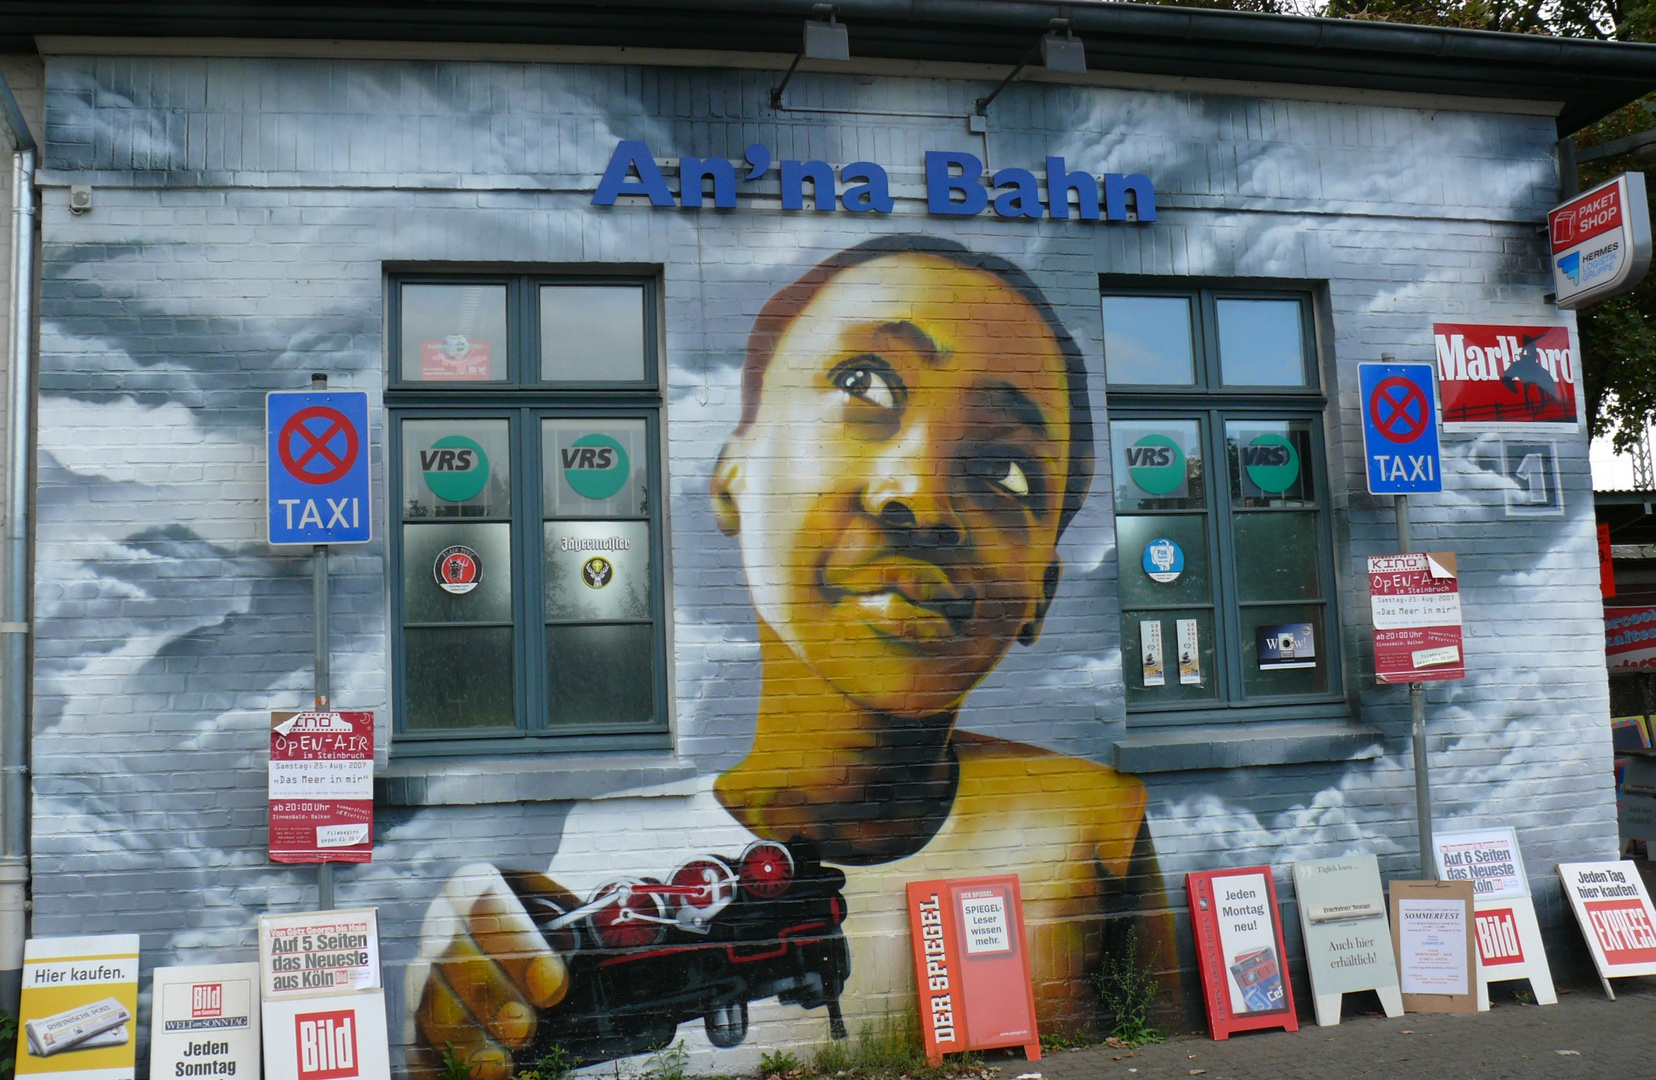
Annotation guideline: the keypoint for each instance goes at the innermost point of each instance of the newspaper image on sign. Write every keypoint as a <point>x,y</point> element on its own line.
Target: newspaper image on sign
<point>321,787</point>
<point>1415,603</point>
<point>318,954</point>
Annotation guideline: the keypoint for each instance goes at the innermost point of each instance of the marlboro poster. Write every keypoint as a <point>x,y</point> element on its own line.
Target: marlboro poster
<point>1502,377</point>
<point>79,1008</point>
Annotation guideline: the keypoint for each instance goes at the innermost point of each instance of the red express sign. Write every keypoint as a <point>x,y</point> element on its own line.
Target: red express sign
<point>322,787</point>
<point>1415,601</point>
<point>1498,376</point>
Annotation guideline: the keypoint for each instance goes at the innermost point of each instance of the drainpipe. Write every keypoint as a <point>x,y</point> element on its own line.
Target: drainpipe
<point>14,565</point>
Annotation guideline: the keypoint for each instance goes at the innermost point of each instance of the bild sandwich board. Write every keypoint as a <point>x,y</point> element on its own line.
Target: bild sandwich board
<point>1347,942</point>
<point>323,1002</point>
<point>1432,936</point>
<point>1613,909</point>
<point>1503,915</point>
<point>204,1022</point>
<point>1239,950</point>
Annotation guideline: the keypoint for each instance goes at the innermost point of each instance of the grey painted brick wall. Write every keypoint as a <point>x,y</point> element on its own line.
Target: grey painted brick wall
<point>246,208</point>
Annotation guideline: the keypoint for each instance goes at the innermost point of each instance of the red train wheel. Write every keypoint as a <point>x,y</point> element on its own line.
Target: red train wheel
<point>713,882</point>
<point>625,924</point>
<point>767,869</point>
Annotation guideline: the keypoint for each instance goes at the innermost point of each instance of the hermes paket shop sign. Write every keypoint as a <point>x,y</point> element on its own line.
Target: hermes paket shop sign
<point>954,186</point>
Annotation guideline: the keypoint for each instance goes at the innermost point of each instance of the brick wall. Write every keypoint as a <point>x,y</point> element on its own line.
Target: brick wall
<point>244,213</point>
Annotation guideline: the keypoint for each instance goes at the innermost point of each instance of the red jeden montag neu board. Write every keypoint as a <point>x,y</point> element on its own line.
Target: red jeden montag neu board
<point>1239,950</point>
<point>321,787</point>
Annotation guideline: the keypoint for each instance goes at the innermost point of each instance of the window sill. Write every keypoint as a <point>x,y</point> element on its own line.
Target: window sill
<point>478,781</point>
<point>1190,747</point>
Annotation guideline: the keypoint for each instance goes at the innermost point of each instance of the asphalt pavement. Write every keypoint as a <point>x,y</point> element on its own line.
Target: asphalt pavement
<point>1584,1035</point>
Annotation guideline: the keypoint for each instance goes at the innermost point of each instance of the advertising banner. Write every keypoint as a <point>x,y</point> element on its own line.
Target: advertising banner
<point>1239,950</point>
<point>971,965</point>
<point>1630,638</point>
<point>1432,932</point>
<point>1415,603</point>
<point>323,1001</point>
<point>204,1021</point>
<point>1600,241</point>
<point>1347,942</point>
<point>77,1018</point>
<point>321,787</point>
<point>1614,912</point>
<point>1508,935</point>
<point>1506,377</point>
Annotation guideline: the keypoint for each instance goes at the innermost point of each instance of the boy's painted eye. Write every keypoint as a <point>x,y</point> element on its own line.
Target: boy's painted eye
<point>865,383</point>
<point>1014,481</point>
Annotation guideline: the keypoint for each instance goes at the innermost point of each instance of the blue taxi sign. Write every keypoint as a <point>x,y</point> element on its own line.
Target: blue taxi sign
<point>1400,428</point>
<point>316,468</point>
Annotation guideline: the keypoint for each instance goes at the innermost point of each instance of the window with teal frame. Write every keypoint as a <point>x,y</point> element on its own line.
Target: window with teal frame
<point>1221,505</point>
<point>526,549</point>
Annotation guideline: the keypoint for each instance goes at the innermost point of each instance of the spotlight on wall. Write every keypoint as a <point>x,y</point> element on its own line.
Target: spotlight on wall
<point>825,39</point>
<point>1060,51</point>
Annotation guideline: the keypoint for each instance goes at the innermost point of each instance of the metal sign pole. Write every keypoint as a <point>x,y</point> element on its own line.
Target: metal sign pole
<point>1417,711</point>
<point>319,590</point>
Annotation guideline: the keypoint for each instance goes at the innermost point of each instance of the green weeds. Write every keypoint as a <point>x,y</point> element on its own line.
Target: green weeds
<point>1126,989</point>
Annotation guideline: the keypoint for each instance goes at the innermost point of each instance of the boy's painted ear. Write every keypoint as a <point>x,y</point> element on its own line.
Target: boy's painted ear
<point>727,478</point>
<point>1031,630</point>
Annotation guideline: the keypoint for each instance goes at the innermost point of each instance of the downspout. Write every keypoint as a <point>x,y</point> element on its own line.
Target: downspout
<point>14,565</point>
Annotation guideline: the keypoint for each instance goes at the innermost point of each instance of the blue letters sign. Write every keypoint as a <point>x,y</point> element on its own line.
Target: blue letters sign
<point>317,467</point>
<point>1400,431</point>
<point>954,186</point>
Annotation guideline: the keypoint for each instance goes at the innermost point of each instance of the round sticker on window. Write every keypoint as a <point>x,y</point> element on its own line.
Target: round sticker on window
<point>458,570</point>
<point>596,466</point>
<point>597,572</point>
<point>455,468</point>
<point>1163,560</point>
<point>1272,463</point>
<point>1157,464</point>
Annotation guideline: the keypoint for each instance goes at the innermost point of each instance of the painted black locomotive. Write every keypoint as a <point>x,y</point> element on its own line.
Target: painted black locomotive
<point>646,955</point>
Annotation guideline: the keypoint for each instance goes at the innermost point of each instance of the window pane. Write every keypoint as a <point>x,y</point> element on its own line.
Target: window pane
<point>1276,556</point>
<point>453,333</point>
<point>1283,650</point>
<point>597,570</point>
<point>1158,465</point>
<point>1180,656</point>
<point>600,675</point>
<point>594,468</point>
<point>457,573</point>
<point>1147,340</point>
<point>457,677</point>
<point>1155,548</point>
<point>456,468</point>
<point>1270,462</point>
<point>592,333</point>
<point>1260,343</point>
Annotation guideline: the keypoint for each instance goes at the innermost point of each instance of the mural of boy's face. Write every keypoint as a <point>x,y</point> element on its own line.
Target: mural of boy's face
<point>898,490</point>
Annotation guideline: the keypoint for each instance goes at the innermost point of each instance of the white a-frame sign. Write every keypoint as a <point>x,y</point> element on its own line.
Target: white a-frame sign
<point>1509,938</point>
<point>1348,946</point>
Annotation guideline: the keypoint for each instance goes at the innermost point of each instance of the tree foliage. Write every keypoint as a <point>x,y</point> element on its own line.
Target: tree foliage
<point>1618,336</point>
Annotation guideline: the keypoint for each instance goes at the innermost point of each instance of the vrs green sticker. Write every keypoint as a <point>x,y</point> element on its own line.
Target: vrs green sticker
<point>1157,464</point>
<point>455,468</point>
<point>596,466</point>
<point>1272,463</point>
